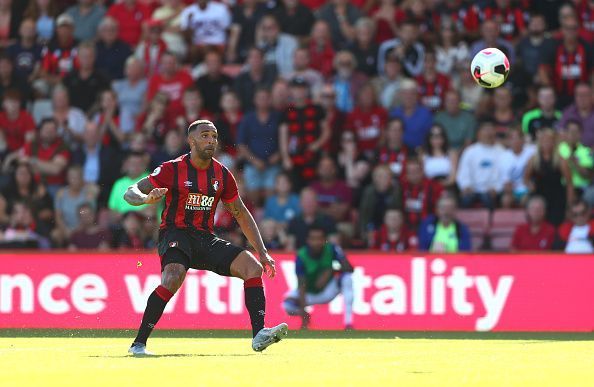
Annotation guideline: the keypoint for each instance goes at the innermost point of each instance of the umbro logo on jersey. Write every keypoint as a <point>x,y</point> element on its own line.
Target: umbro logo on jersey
<point>187,183</point>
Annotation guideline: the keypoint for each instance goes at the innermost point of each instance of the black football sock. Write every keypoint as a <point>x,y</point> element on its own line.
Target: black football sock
<point>154,309</point>
<point>255,302</point>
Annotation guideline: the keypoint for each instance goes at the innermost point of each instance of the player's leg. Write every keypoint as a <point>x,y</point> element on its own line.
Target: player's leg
<point>346,288</point>
<point>249,269</point>
<point>174,272</point>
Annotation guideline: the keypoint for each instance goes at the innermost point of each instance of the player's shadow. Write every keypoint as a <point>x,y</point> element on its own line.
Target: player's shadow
<point>177,355</point>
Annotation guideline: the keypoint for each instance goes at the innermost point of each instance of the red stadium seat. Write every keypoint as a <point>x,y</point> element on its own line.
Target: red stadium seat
<point>477,220</point>
<point>503,226</point>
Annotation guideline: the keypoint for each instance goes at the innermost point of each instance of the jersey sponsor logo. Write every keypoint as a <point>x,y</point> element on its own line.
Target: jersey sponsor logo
<point>199,202</point>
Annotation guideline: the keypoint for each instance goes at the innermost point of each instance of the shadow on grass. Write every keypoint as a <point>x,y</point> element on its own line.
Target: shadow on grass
<point>174,355</point>
<point>533,337</point>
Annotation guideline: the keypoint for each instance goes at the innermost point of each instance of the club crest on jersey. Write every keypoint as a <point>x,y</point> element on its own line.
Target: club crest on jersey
<point>215,184</point>
<point>173,244</point>
<point>187,183</point>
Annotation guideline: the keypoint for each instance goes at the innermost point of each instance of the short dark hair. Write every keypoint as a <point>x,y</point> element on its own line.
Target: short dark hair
<point>194,125</point>
<point>317,226</point>
<point>47,120</point>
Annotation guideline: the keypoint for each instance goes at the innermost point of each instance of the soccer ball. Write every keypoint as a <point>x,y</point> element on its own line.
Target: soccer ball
<point>489,68</point>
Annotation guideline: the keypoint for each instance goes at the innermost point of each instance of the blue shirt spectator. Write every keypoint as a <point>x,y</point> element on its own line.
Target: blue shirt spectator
<point>442,233</point>
<point>417,119</point>
<point>261,137</point>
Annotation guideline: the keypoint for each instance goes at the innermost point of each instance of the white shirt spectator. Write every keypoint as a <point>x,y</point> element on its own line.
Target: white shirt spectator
<point>515,165</point>
<point>578,242</point>
<point>281,54</point>
<point>481,169</point>
<point>437,166</point>
<point>448,59</point>
<point>209,25</point>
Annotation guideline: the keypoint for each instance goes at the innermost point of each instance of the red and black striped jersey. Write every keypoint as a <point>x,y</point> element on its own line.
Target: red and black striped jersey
<point>193,193</point>
<point>512,20</point>
<point>568,68</point>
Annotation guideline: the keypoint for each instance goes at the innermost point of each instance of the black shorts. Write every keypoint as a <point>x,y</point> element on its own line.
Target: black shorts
<point>202,250</point>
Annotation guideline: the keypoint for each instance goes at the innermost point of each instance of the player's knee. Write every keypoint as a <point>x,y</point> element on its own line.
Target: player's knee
<point>254,270</point>
<point>173,276</point>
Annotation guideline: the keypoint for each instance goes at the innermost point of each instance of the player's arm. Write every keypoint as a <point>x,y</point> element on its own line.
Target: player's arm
<point>143,192</point>
<point>250,229</point>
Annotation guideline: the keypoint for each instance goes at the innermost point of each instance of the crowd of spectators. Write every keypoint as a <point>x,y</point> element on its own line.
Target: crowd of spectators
<point>360,116</point>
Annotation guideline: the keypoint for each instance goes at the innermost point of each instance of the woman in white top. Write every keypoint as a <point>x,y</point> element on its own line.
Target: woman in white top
<point>451,52</point>
<point>439,161</point>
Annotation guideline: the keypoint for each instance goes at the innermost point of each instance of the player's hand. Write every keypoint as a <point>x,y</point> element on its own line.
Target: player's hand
<point>155,195</point>
<point>268,265</point>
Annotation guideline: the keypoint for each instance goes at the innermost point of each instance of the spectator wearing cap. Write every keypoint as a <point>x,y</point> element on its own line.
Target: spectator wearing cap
<point>295,18</point>
<point>111,51</point>
<point>135,168</point>
<point>49,155</point>
<point>459,124</point>
<point>258,146</point>
<point>16,124</point>
<point>442,233</point>
<point>407,48</point>
<point>256,74</point>
<point>152,47</point>
<point>536,234</point>
<point>581,110</point>
<point>576,236</point>
<point>302,69</point>
<point>85,83</point>
<point>278,47</point>
<point>205,23</point>
<point>304,132</point>
<point>130,15</point>
<point>26,51</point>
<point>59,56</point>
<point>347,80</point>
<point>214,82</point>
<point>417,118</point>
<point>320,48</point>
<point>44,13</point>
<point>131,92</point>
<point>87,16</point>
<point>481,175</point>
<point>89,235</point>
<point>341,17</point>
<point>171,80</point>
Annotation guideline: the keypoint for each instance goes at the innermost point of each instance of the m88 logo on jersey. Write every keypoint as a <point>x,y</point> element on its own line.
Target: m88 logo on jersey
<point>199,202</point>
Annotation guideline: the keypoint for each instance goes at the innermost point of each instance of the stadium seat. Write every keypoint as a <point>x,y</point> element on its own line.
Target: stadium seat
<point>503,225</point>
<point>477,220</point>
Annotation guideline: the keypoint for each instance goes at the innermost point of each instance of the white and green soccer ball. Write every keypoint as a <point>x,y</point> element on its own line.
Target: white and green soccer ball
<point>490,68</point>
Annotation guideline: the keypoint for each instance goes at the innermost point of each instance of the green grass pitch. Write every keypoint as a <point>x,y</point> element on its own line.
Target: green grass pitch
<point>225,358</point>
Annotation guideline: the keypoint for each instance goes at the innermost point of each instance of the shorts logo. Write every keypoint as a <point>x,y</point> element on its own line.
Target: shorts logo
<point>173,244</point>
<point>215,184</point>
<point>199,202</point>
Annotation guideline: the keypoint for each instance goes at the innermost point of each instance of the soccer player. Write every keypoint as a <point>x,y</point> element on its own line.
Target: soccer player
<point>192,186</point>
<point>323,272</point>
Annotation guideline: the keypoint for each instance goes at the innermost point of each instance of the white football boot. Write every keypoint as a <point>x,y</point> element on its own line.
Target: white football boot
<point>268,336</point>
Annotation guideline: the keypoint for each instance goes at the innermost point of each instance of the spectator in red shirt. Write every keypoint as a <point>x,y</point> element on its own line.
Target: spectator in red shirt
<point>89,235</point>
<point>130,16</point>
<point>576,236</point>
<point>367,120</point>
<point>393,235</point>
<point>536,234</point>
<point>387,16</point>
<point>172,81</point>
<point>419,194</point>
<point>393,152</point>
<point>193,109</point>
<point>16,124</point>
<point>320,49</point>
<point>49,155</point>
<point>432,85</point>
<point>334,196</point>
<point>59,57</point>
<point>510,18</point>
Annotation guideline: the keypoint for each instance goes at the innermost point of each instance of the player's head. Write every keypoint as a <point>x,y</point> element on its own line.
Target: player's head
<point>316,238</point>
<point>203,138</point>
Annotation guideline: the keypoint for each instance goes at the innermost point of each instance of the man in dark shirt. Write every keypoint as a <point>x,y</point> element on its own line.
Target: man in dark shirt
<point>299,225</point>
<point>85,84</point>
<point>295,18</point>
<point>26,52</point>
<point>257,74</point>
<point>111,51</point>
<point>214,82</point>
